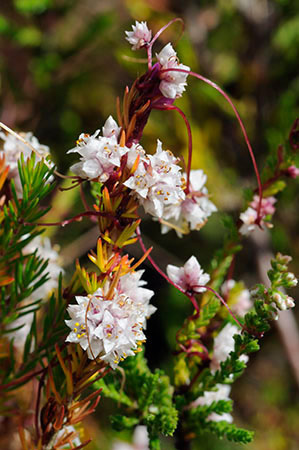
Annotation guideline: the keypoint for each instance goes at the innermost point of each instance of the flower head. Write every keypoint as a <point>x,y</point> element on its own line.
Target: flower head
<point>111,328</point>
<point>157,182</point>
<point>190,276</point>
<point>100,155</point>
<point>193,211</point>
<point>173,82</point>
<point>140,36</point>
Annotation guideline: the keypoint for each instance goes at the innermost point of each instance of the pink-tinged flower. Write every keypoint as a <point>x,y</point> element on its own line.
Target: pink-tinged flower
<point>100,155</point>
<point>172,83</point>
<point>249,217</point>
<point>267,206</point>
<point>292,171</point>
<point>140,36</point>
<point>193,212</point>
<point>237,296</point>
<point>224,343</point>
<point>222,393</point>
<point>157,182</point>
<point>190,276</point>
<point>140,440</point>
<point>111,328</point>
<point>13,148</point>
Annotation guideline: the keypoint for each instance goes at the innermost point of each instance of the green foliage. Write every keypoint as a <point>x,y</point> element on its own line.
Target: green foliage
<point>29,271</point>
<point>32,6</point>
<point>231,432</point>
<point>148,395</point>
<point>198,421</point>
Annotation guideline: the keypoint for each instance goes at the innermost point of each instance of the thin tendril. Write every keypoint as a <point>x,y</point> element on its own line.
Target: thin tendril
<point>218,88</point>
<point>190,144</point>
<point>150,45</point>
<point>208,288</point>
<point>82,195</point>
<point>160,271</point>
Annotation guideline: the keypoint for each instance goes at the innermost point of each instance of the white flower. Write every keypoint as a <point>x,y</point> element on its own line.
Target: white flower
<point>140,440</point>
<point>111,128</point>
<point>131,285</point>
<point>189,276</point>
<point>140,36</point>
<point>238,297</point>
<point>192,212</point>
<point>172,83</point>
<point>157,181</point>
<point>224,343</point>
<point>13,148</point>
<point>111,329</point>
<point>248,218</point>
<point>222,393</point>
<point>100,155</point>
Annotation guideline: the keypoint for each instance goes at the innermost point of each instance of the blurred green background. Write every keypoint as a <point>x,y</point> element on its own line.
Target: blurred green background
<point>62,65</point>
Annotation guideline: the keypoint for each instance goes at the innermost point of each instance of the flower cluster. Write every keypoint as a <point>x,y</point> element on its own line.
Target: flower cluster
<point>155,181</point>
<point>250,216</point>
<point>100,155</point>
<point>12,150</point>
<point>112,326</point>
<point>193,212</point>
<point>172,74</point>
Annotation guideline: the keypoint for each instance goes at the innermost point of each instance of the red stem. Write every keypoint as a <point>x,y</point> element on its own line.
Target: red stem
<point>82,195</point>
<point>190,145</point>
<point>150,45</point>
<point>218,88</point>
<point>222,301</point>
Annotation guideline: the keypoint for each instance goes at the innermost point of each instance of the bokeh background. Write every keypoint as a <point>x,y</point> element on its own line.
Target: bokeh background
<point>62,65</point>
